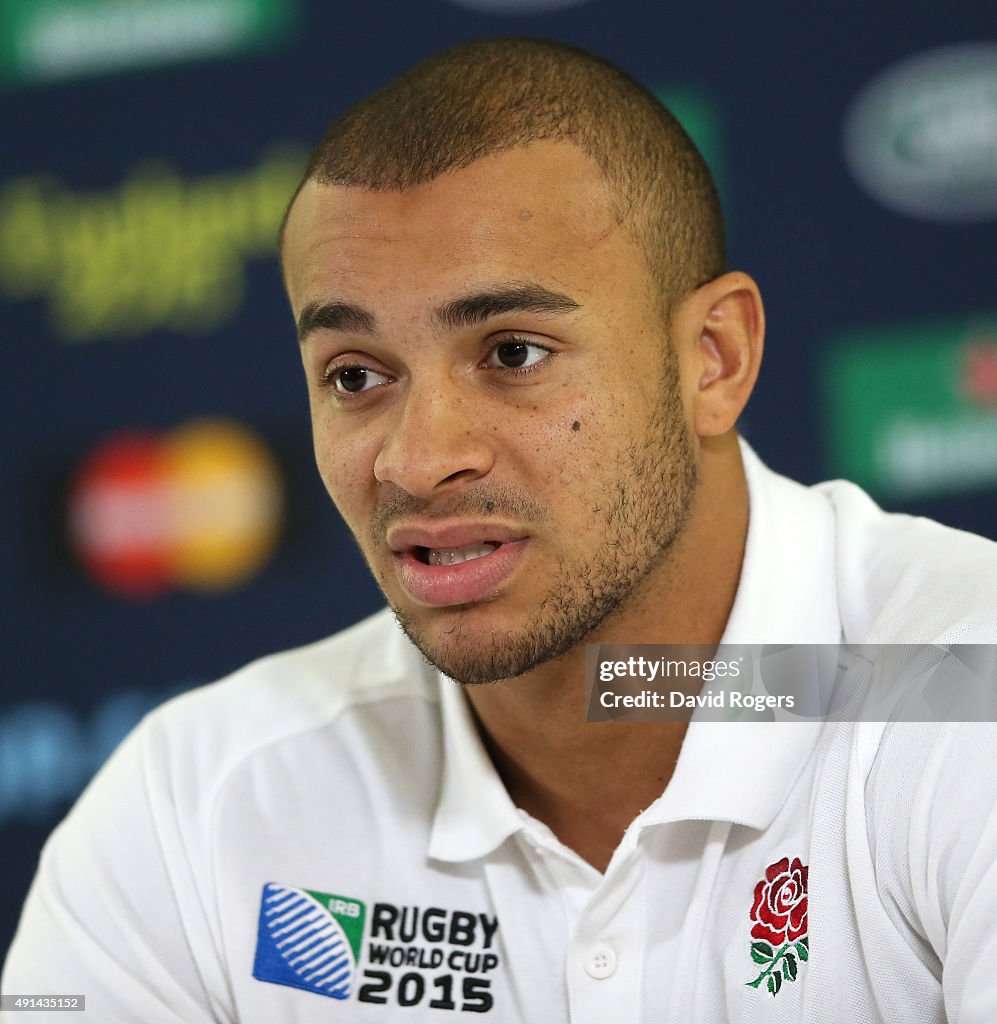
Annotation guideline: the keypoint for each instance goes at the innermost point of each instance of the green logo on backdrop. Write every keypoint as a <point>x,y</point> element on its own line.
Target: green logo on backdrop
<point>912,412</point>
<point>48,40</point>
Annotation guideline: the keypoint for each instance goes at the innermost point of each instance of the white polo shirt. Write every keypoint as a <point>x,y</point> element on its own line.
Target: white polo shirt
<point>322,837</point>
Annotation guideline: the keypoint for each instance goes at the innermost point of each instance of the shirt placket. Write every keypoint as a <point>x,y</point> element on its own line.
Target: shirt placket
<point>604,964</point>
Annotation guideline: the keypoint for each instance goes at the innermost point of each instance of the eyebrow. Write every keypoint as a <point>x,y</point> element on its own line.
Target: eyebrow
<point>466,311</point>
<point>526,298</point>
<point>335,316</point>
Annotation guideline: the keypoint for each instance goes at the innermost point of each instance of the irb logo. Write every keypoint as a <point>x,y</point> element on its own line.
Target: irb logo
<point>348,908</point>
<point>308,940</point>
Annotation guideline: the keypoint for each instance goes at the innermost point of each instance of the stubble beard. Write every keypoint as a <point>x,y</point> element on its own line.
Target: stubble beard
<point>654,494</point>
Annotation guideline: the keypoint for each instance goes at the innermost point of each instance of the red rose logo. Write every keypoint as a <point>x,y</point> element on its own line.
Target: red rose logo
<point>780,907</point>
<point>779,923</point>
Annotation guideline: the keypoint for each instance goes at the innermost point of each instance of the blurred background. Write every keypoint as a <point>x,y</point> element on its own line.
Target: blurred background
<point>161,522</point>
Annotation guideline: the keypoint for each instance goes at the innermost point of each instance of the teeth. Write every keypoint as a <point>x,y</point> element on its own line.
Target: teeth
<point>454,556</point>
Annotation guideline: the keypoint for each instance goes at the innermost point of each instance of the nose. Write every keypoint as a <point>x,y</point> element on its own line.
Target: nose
<point>437,441</point>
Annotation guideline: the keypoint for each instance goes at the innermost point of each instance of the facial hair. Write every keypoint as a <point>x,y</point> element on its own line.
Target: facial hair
<point>652,498</point>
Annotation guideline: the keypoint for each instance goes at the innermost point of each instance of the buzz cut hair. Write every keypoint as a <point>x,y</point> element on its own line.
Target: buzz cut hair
<point>486,97</point>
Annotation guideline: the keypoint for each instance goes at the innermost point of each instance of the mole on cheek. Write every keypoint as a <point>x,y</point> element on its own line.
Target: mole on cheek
<point>577,425</point>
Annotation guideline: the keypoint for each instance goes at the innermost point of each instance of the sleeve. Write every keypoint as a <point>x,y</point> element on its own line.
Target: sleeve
<point>115,912</point>
<point>934,833</point>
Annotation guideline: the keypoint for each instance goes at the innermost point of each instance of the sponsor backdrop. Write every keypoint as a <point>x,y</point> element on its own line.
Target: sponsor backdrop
<point>161,520</point>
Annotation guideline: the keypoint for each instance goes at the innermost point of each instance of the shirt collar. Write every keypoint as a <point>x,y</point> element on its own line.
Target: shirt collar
<point>788,591</point>
<point>475,813</point>
<point>743,771</point>
<point>732,771</point>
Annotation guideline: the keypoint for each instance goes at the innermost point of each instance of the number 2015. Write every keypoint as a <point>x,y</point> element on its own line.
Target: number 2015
<point>411,991</point>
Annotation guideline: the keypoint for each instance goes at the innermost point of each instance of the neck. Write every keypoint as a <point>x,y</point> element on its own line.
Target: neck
<point>587,781</point>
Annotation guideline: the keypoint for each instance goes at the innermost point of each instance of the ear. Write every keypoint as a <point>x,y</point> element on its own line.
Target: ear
<point>722,325</point>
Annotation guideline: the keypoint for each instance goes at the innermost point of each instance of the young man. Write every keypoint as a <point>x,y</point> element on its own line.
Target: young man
<point>525,361</point>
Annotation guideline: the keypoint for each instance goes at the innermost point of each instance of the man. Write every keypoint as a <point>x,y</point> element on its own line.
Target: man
<point>525,361</point>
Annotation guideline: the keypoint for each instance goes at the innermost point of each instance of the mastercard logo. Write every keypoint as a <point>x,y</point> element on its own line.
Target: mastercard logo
<point>199,507</point>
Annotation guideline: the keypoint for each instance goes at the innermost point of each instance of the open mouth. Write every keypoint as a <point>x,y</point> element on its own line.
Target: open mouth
<point>460,574</point>
<point>454,556</point>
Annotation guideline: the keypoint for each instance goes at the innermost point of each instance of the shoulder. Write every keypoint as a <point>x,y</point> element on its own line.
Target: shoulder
<point>367,673</point>
<point>317,716</point>
<point>370,661</point>
<point>905,579</point>
<point>222,780</point>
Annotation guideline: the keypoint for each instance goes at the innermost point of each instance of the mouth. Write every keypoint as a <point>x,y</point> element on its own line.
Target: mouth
<point>455,564</point>
<point>454,556</point>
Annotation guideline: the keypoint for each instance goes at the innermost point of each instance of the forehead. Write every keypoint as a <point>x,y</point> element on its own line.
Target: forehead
<point>540,212</point>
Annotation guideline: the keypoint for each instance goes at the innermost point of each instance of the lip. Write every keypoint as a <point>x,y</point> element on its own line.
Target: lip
<point>465,583</point>
<point>403,538</point>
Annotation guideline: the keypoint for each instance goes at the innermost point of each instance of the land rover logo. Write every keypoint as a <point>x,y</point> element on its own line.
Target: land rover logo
<point>922,137</point>
<point>518,6</point>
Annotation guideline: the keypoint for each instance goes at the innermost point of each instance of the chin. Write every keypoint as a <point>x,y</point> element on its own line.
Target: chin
<point>470,649</point>
<point>466,650</point>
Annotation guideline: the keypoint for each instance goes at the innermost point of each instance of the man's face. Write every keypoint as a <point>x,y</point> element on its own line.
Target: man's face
<point>496,407</point>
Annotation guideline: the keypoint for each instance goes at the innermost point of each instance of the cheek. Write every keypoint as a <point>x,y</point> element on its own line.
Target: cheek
<point>346,466</point>
<point>578,443</point>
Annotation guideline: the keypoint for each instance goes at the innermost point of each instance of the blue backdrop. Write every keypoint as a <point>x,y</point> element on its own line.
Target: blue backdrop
<point>162,522</point>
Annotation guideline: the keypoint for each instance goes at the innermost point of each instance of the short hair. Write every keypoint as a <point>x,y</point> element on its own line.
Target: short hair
<point>493,95</point>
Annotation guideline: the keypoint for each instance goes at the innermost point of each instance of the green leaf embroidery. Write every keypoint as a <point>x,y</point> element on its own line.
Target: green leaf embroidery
<point>761,952</point>
<point>780,965</point>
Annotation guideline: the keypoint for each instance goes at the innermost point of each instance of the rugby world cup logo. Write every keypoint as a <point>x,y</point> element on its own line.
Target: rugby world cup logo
<point>309,940</point>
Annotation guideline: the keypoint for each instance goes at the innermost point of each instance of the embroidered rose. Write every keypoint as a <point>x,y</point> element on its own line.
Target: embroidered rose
<point>779,923</point>
<point>780,907</point>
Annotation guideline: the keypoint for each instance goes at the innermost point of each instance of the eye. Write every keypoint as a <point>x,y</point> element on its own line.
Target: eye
<point>353,380</point>
<point>516,354</point>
